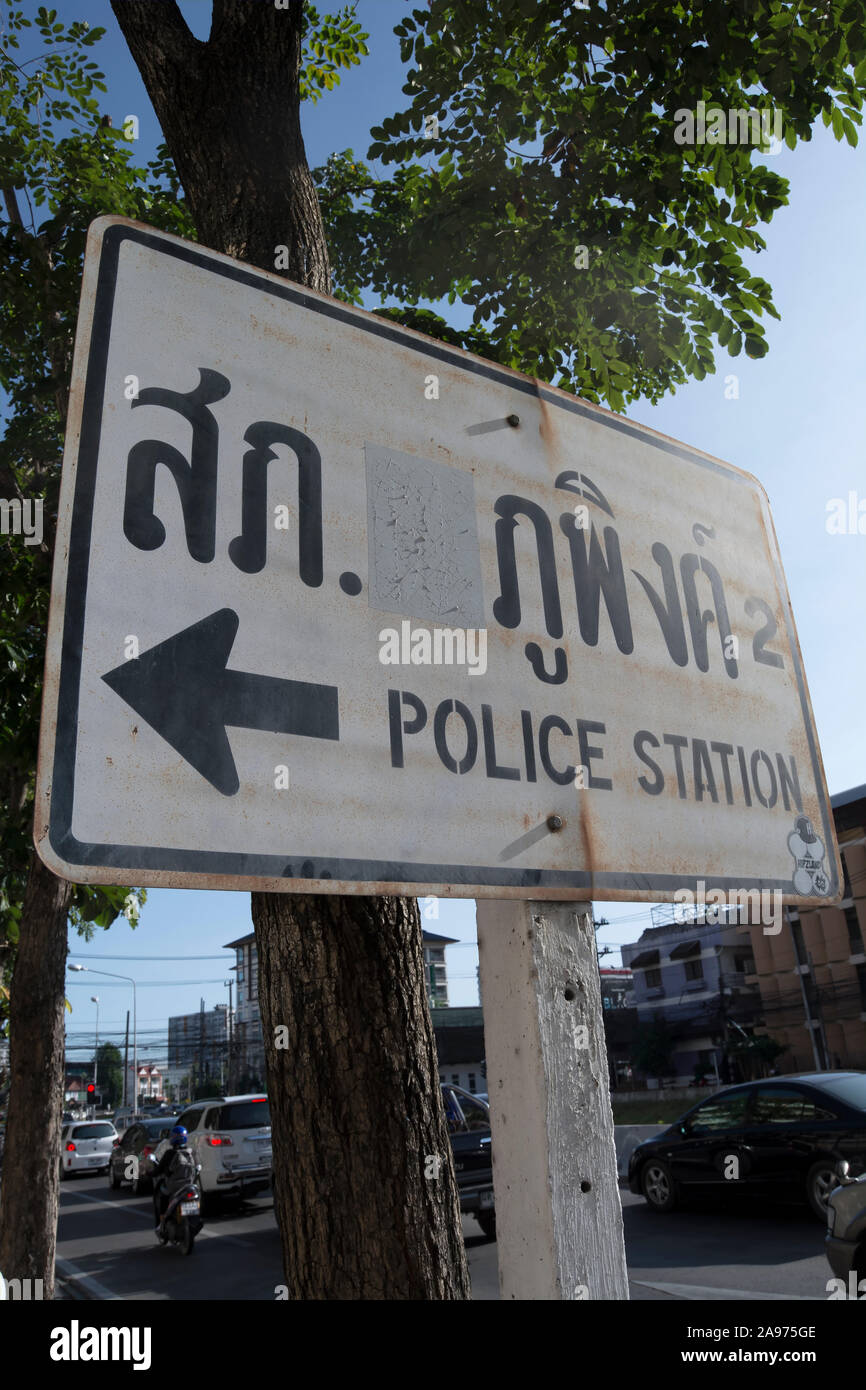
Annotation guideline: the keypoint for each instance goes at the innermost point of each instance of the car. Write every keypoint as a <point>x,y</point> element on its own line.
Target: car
<point>135,1153</point>
<point>468,1120</point>
<point>230,1136</point>
<point>845,1241</point>
<point>782,1136</point>
<point>85,1146</point>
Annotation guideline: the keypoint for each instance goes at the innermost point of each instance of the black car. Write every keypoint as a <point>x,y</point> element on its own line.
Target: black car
<point>469,1130</point>
<point>784,1136</point>
<point>132,1157</point>
<point>846,1230</point>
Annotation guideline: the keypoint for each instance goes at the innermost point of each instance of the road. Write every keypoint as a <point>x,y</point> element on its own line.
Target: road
<point>107,1249</point>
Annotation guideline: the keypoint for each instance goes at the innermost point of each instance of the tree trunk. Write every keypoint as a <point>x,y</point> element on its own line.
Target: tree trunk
<point>364,1187</point>
<point>28,1196</point>
<point>352,1073</point>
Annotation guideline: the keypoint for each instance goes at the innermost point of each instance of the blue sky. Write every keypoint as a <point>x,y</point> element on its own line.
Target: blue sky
<point>798,424</point>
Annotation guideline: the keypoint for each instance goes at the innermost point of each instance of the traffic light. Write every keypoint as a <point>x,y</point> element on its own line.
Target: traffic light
<point>91,1090</point>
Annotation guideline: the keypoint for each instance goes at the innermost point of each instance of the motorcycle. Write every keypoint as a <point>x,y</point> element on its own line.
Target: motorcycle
<point>181,1220</point>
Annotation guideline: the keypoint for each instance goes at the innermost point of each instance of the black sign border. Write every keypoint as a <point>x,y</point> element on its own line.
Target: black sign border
<point>209,864</point>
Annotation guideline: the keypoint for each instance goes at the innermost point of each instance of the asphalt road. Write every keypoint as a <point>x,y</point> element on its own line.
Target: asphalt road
<point>107,1249</point>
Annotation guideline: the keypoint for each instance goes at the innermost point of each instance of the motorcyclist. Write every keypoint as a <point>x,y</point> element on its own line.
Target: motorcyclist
<point>175,1168</point>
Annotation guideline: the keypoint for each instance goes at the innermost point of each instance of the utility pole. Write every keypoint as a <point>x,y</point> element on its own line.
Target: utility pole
<point>94,999</point>
<point>126,1060</point>
<point>201,1041</point>
<point>229,1036</point>
<point>813,1025</point>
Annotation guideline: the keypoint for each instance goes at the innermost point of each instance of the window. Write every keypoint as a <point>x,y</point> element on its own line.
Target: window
<point>453,1114</point>
<point>722,1112</point>
<point>799,944</point>
<point>813,1111</point>
<point>455,1077</point>
<point>474,1113</point>
<point>190,1119</point>
<point>246,1114</point>
<point>463,1114</point>
<point>653,979</point>
<point>472,1083</point>
<point>855,935</point>
<point>782,1105</point>
<point>694,969</point>
<point>95,1131</point>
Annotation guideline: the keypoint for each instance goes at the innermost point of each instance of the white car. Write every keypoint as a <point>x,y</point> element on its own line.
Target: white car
<point>85,1146</point>
<point>230,1136</point>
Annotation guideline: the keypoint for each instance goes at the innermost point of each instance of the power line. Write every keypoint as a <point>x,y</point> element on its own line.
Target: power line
<point>93,956</point>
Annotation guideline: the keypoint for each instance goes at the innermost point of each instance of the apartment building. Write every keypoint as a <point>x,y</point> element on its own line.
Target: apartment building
<point>812,974</point>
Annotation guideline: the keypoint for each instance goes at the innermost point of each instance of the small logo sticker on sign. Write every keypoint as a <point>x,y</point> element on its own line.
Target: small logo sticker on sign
<point>810,876</point>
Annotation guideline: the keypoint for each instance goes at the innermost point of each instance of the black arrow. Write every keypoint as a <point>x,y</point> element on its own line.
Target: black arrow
<point>182,689</point>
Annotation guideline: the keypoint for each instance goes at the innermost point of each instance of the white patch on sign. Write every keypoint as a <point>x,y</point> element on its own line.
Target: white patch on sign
<point>423,542</point>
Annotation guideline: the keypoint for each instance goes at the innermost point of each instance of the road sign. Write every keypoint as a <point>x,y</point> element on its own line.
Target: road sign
<point>338,607</point>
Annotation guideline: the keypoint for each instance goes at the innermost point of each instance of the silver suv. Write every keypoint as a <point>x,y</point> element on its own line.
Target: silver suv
<point>230,1136</point>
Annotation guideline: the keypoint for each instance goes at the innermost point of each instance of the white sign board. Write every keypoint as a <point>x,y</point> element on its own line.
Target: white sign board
<point>341,608</point>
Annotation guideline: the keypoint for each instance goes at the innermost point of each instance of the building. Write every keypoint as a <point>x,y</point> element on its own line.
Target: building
<point>248,1049</point>
<point>75,1088</point>
<point>812,974</point>
<point>198,1046</point>
<point>434,968</point>
<point>697,978</point>
<point>620,1023</point>
<point>617,987</point>
<point>149,1082</point>
<point>459,1037</point>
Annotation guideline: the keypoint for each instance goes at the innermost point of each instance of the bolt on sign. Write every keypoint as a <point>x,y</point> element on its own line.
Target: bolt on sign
<point>340,608</point>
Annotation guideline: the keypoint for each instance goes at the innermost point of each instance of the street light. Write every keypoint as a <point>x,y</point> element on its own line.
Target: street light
<point>111,976</point>
<point>94,999</point>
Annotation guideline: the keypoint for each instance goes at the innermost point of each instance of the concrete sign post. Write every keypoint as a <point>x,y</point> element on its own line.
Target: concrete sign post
<point>340,608</point>
<point>558,1210</point>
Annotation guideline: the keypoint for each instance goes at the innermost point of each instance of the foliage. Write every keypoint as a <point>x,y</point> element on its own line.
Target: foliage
<point>761,1046</point>
<point>556,131</point>
<point>329,43</point>
<point>109,1073</point>
<point>61,167</point>
<point>653,1047</point>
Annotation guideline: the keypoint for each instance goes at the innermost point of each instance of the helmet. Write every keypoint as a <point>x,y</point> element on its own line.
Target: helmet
<point>178,1136</point>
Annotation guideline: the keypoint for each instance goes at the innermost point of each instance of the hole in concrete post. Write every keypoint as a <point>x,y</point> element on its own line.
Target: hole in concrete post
<point>586,1186</point>
<point>570,991</point>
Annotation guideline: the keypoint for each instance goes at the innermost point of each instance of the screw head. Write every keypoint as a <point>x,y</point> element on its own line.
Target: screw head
<point>555,822</point>
<point>513,421</point>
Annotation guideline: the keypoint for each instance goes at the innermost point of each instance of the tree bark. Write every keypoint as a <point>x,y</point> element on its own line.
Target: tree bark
<point>230,113</point>
<point>28,1196</point>
<point>364,1188</point>
<point>357,1111</point>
